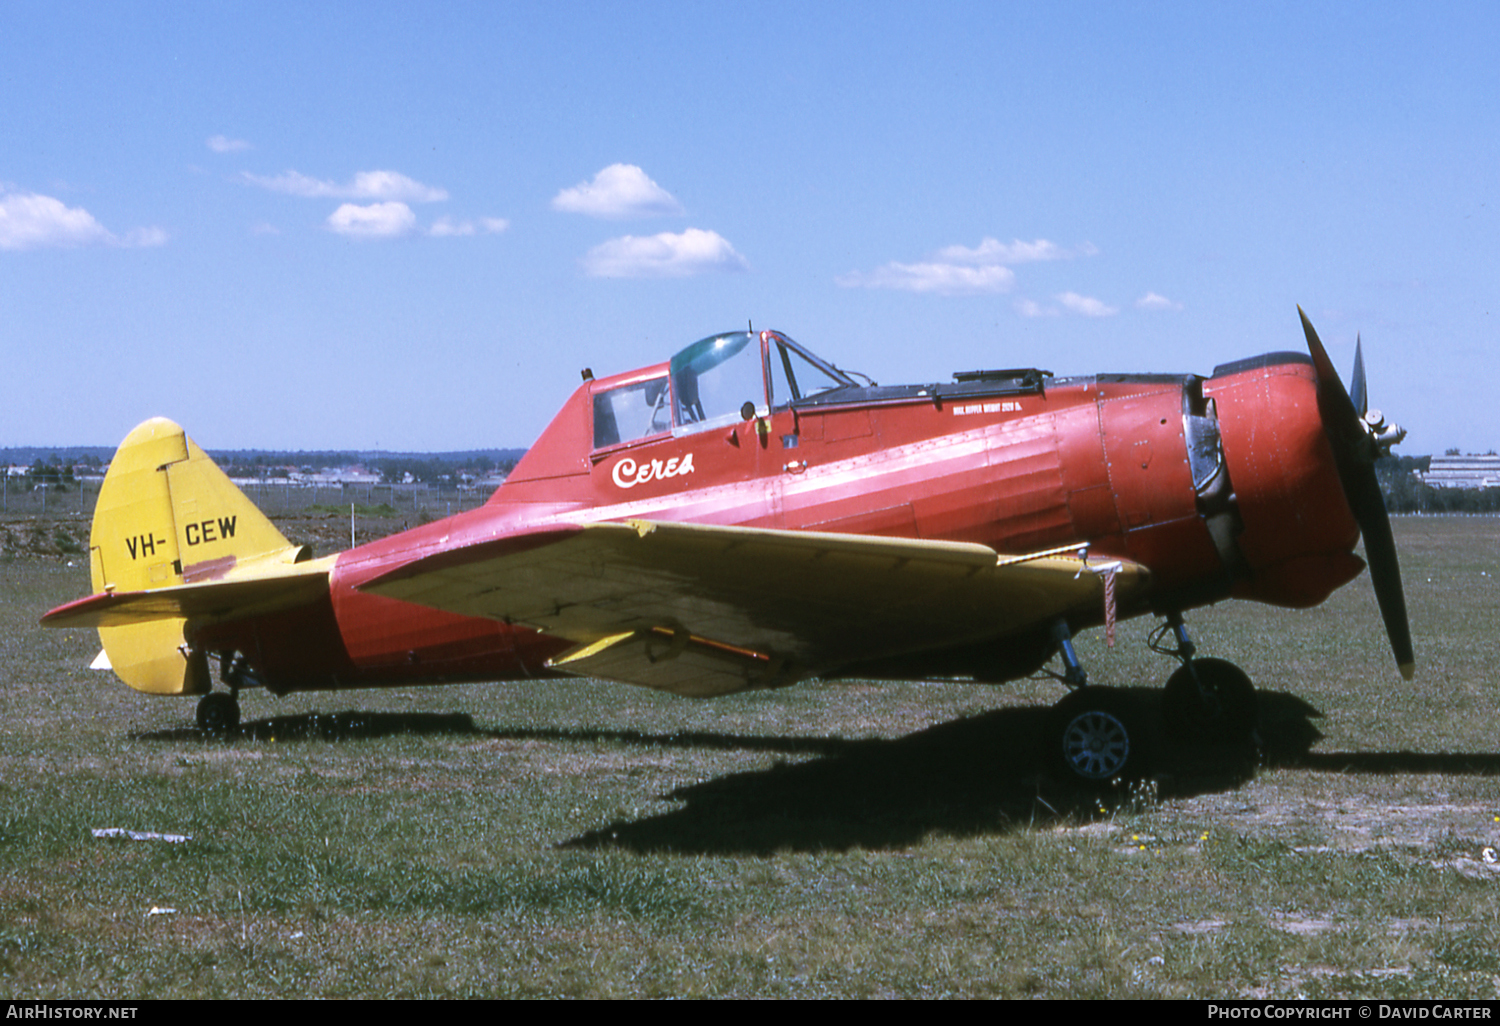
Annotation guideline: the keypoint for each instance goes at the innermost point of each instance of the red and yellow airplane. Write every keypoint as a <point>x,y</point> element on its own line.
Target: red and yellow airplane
<point>747,515</point>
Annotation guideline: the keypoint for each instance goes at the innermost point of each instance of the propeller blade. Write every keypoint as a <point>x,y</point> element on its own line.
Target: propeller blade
<point>1356,465</point>
<point>1358,395</point>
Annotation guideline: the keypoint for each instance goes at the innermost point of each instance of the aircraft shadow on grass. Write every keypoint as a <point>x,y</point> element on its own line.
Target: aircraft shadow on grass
<point>979,775</point>
<point>342,726</point>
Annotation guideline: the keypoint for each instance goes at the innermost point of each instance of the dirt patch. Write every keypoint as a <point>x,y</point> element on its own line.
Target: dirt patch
<point>44,536</point>
<point>1279,805</point>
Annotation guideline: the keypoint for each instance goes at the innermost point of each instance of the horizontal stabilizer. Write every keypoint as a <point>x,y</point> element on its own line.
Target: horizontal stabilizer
<point>274,587</point>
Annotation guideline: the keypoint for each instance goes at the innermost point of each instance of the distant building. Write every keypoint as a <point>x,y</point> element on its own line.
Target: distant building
<point>309,477</point>
<point>355,474</point>
<point>1462,472</point>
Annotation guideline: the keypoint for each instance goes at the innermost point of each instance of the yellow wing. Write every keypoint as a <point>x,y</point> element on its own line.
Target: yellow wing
<point>701,610</point>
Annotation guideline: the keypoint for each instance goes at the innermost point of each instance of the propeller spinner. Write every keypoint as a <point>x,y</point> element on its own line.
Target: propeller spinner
<point>1358,436</point>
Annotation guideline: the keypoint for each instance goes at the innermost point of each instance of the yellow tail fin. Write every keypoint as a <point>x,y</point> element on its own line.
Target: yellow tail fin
<point>167,515</point>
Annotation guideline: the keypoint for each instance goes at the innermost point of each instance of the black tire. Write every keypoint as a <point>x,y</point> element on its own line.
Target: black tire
<point>219,713</point>
<point>1099,734</point>
<point>1218,716</point>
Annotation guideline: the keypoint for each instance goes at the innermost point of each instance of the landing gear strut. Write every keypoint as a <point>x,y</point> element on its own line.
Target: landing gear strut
<point>1099,734</point>
<point>1096,734</point>
<point>1209,705</point>
<point>219,712</point>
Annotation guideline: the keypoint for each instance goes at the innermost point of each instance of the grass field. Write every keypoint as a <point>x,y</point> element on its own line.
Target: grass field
<point>591,840</point>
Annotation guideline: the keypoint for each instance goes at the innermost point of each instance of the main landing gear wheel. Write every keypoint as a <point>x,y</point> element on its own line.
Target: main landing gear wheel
<point>1099,734</point>
<point>1213,712</point>
<point>1219,704</point>
<point>219,713</point>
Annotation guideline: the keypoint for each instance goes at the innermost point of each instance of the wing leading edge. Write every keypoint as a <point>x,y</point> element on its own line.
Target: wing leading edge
<point>701,610</point>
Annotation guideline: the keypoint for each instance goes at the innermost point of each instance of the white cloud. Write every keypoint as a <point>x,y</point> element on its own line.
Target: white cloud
<point>993,251</point>
<point>29,221</point>
<point>1086,305</point>
<point>224,144</point>
<point>964,270</point>
<point>144,238</point>
<point>1152,301</point>
<point>376,221</point>
<point>940,279</point>
<point>618,192</point>
<point>694,251</point>
<point>445,227</point>
<point>366,185</point>
<point>1031,308</point>
<point>33,221</point>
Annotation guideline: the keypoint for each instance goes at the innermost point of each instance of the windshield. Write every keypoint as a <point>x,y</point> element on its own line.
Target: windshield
<point>715,378</point>
<point>797,374</point>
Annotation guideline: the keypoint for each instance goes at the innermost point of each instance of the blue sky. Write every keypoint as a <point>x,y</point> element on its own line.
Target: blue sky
<point>410,226</point>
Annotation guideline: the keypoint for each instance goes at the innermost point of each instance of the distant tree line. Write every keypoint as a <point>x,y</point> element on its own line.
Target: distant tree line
<point>435,470</point>
<point>259,466</point>
<point>53,474</point>
<point>393,468</point>
<point>85,455</point>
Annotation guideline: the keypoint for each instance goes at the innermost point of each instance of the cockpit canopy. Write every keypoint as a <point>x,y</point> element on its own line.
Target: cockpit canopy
<point>714,378</point>
<point>718,380</point>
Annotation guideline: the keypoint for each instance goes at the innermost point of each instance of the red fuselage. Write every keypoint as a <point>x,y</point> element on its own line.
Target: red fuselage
<point>1223,487</point>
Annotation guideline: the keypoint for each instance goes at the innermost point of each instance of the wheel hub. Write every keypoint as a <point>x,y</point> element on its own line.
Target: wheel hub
<point>1096,745</point>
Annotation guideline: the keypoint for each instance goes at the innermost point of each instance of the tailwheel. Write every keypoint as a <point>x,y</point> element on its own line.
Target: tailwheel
<point>1100,734</point>
<point>219,713</point>
<point>1209,707</point>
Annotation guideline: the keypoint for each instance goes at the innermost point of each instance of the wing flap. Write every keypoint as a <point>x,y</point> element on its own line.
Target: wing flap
<point>674,661</point>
